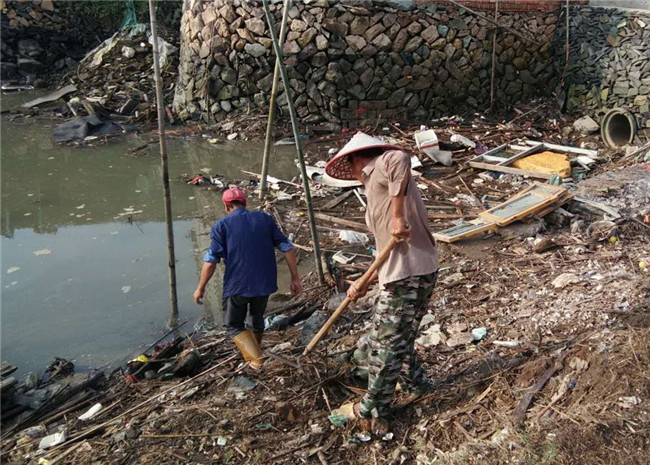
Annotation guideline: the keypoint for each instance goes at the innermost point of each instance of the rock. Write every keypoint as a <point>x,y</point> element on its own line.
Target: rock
<point>586,125</point>
<point>359,25</point>
<point>321,42</point>
<point>291,48</point>
<point>29,66</point>
<point>29,48</point>
<point>374,31</point>
<point>256,50</point>
<point>356,42</point>
<point>333,25</point>
<point>413,44</point>
<point>382,42</point>
<point>564,280</point>
<point>430,34</point>
<point>460,339</point>
<point>255,25</point>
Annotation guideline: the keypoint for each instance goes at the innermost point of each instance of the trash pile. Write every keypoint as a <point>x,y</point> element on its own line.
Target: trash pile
<point>117,75</point>
<point>112,88</point>
<point>535,340</point>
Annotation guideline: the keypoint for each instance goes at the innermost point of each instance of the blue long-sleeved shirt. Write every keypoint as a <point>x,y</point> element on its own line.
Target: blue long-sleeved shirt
<point>245,241</point>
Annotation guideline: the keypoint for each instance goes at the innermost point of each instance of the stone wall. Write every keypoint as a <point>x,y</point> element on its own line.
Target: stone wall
<point>360,58</point>
<point>609,64</point>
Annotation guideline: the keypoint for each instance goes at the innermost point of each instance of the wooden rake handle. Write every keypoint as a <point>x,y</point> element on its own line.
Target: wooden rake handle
<point>362,281</point>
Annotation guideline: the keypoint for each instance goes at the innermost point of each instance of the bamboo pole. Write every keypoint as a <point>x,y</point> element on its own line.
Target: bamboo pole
<point>566,47</point>
<point>381,258</point>
<point>494,54</point>
<point>274,92</point>
<point>296,135</point>
<point>160,104</point>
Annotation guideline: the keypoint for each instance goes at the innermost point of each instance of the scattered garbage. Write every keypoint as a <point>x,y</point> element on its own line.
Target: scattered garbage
<point>353,237</point>
<point>91,412</point>
<point>52,440</point>
<point>479,334</point>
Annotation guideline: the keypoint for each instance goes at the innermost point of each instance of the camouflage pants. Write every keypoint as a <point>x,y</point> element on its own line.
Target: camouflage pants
<point>392,358</point>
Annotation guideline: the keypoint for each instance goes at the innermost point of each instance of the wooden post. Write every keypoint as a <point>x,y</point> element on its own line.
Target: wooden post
<point>566,48</point>
<point>274,92</point>
<point>296,135</point>
<point>160,104</point>
<point>494,54</point>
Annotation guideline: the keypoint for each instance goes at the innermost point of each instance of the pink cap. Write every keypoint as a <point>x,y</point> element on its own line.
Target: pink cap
<point>234,194</point>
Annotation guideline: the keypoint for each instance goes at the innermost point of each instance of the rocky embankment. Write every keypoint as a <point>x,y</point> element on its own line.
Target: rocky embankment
<point>346,61</point>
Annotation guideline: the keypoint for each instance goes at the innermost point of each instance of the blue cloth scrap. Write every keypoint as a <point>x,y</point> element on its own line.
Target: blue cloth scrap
<point>245,240</point>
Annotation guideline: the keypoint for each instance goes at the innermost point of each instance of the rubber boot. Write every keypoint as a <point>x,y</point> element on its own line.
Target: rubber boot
<point>258,337</point>
<point>248,346</point>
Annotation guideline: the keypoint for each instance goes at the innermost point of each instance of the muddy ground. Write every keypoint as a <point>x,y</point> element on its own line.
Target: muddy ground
<point>560,377</point>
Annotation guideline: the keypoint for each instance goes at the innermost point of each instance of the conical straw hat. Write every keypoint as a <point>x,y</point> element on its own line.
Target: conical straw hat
<point>340,168</point>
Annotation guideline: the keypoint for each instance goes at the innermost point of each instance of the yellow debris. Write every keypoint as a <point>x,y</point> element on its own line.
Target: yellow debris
<point>546,162</point>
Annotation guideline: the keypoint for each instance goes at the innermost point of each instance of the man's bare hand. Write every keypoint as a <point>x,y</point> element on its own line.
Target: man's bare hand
<point>295,286</point>
<point>198,297</point>
<point>400,229</point>
<point>356,290</point>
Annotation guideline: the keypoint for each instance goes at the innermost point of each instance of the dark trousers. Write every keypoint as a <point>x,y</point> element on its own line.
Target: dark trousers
<point>241,313</point>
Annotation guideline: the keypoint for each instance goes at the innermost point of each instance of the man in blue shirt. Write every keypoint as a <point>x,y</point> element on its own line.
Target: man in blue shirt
<point>245,240</point>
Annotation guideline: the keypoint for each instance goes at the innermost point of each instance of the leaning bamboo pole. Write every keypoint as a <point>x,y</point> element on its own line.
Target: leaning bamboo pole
<point>160,104</point>
<point>274,93</point>
<point>296,135</point>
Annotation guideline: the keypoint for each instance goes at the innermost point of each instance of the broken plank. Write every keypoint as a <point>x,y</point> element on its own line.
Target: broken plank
<point>52,97</point>
<point>341,221</point>
<point>519,414</point>
<point>337,200</point>
<point>464,231</point>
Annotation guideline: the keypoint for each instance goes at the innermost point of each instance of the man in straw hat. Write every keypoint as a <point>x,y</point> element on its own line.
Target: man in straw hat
<point>245,241</point>
<point>406,278</point>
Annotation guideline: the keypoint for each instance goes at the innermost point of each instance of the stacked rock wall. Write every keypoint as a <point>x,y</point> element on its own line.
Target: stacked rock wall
<point>360,59</point>
<point>609,63</point>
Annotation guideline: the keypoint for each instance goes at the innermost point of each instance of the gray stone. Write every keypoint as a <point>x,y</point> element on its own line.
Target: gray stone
<point>319,59</point>
<point>366,77</point>
<point>382,42</point>
<point>229,75</point>
<point>374,31</point>
<point>298,86</point>
<point>458,23</point>
<point>309,51</point>
<point>586,125</point>
<point>291,48</point>
<point>396,98</point>
<point>228,92</point>
<point>430,34</point>
<point>256,26</point>
<point>321,42</point>
<point>314,94</point>
<point>328,89</point>
<point>414,28</point>
<point>29,48</point>
<point>334,25</point>
<point>400,40</point>
<point>333,73</point>
<point>413,44</point>
<point>513,88</point>
<point>357,92</point>
<point>359,25</point>
<point>298,25</point>
<point>256,50</point>
<point>266,83</point>
<point>226,106</point>
<point>356,42</point>
<point>307,37</point>
<point>527,77</point>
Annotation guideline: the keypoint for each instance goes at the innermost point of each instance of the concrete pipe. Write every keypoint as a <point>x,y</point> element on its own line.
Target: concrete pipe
<point>618,128</point>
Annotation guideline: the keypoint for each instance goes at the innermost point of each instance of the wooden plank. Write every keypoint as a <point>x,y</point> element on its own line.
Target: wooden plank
<point>510,170</point>
<point>525,203</point>
<point>337,200</point>
<point>464,231</point>
<point>341,221</point>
